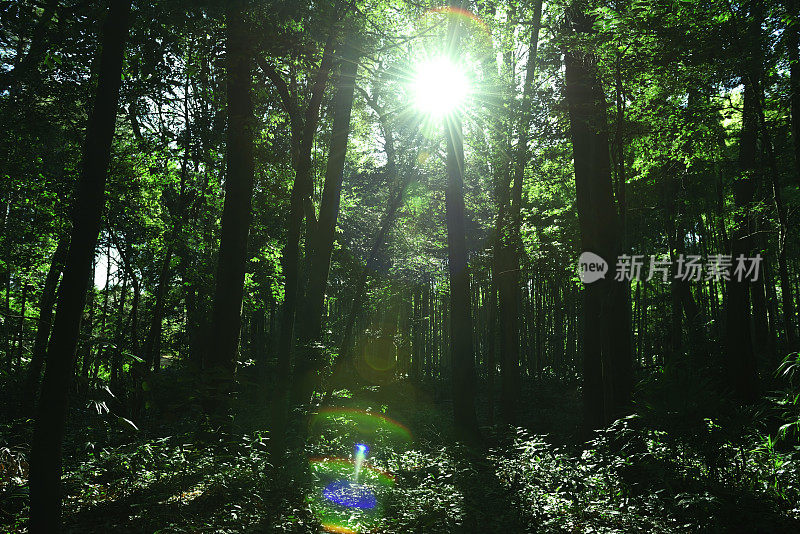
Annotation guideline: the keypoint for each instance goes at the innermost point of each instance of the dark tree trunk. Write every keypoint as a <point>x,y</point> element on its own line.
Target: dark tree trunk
<point>793,46</point>
<point>152,344</point>
<point>21,329</point>
<point>416,338</point>
<point>787,294</point>
<point>302,141</point>
<point>119,334</point>
<point>606,368</point>
<point>45,464</point>
<point>220,362</point>
<point>742,367</point>
<point>329,206</point>
<point>7,319</point>
<point>127,266</point>
<point>46,304</point>
<point>509,246</point>
<point>491,358</point>
<point>322,242</point>
<point>461,350</point>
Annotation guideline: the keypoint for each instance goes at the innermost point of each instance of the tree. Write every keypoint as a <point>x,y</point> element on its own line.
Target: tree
<point>742,368</point>
<point>45,470</point>
<point>303,129</point>
<point>46,304</point>
<point>606,371</point>
<point>509,241</point>
<point>793,47</point>
<point>36,49</point>
<point>461,349</point>
<point>220,360</point>
<point>321,243</point>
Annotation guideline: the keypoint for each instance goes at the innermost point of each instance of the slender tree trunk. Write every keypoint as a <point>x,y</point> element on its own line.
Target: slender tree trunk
<point>416,348</point>
<point>742,368</point>
<point>220,362</point>
<point>133,320</point>
<point>510,244</point>
<point>793,46</point>
<point>152,344</point>
<point>46,304</point>
<point>45,464</point>
<point>491,360</point>
<point>301,191</point>
<point>7,319</point>
<point>88,325</point>
<point>322,243</point>
<point>21,329</point>
<point>461,350</point>
<point>119,335</point>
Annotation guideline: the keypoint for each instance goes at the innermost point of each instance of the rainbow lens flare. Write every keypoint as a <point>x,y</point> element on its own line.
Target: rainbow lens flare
<point>362,423</point>
<point>346,505</point>
<point>350,492</point>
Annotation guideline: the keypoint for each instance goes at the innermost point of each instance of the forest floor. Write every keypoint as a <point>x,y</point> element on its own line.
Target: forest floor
<point>645,474</point>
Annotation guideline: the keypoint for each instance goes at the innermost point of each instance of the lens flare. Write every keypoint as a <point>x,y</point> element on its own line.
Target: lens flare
<point>440,87</point>
<point>350,495</point>
<point>365,424</point>
<point>464,16</point>
<point>342,504</point>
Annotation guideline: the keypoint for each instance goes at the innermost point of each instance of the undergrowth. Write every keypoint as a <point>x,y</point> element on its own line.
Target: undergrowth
<point>666,468</point>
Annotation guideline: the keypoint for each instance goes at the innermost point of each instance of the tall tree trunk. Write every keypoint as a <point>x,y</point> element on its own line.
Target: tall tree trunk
<point>463,360</point>
<point>461,350</point>
<point>45,464</point>
<point>793,46</point>
<point>127,266</point>
<point>7,318</point>
<point>119,334</point>
<point>605,372</point>
<point>416,348</point>
<point>302,141</point>
<point>21,330</point>
<point>322,242</point>
<point>787,292</point>
<point>152,347</point>
<point>220,362</point>
<point>46,304</point>
<point>510,243</point>
<point>742,368</point>
<point>491,359</point>
<point>152,344</point>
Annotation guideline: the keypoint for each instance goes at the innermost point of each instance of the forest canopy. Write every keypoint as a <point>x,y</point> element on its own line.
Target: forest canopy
<point>399,266</point>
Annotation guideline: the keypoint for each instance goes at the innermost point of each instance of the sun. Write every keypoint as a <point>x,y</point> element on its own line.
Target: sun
<point>440,87</point>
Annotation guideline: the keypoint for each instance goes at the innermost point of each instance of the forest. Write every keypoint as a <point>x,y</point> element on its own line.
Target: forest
<point>393,266</point>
